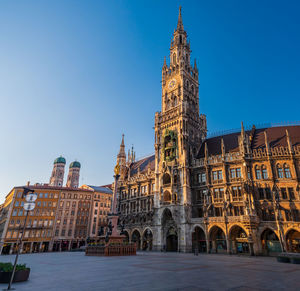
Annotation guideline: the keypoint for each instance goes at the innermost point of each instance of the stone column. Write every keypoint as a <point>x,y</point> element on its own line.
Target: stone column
<point>207,246</point>
<point>70,244</point>
<point>50,248</point>
<point>157,239</point>
<point>1,247</point>
<point>256,242</point>
<point>11,248</point>
<point>228,246</point>
<point>214,246</point>
<point>31,245</point>
<point>40,246</point>
<point>22,247</point>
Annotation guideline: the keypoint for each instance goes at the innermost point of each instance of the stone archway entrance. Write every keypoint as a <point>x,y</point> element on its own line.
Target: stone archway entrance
<point>170,233</point>
<point>217,240</point>
<point>239,240</point>
<point>293,241</point>
<point>270,242</point>
<point>147,240</point>
<point>136,238</point>
<point>199,240</point>
<point>172,240</point>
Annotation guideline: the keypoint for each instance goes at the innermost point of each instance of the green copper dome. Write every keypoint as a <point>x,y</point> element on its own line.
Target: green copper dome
<point>75,165</point>
<point>60,160</point>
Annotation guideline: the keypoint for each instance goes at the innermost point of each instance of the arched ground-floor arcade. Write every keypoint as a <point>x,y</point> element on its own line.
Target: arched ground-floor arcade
<point>219,238</point>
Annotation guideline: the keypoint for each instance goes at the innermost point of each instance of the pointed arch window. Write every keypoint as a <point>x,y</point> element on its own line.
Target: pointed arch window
<point>264,172</point>
<point>279,171</point>
<point>287,172</point>
<point>257,173</point>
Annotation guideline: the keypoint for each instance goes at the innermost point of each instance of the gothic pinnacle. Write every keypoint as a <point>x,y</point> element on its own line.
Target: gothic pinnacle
<point>122,153</point>
<point>179,24</point>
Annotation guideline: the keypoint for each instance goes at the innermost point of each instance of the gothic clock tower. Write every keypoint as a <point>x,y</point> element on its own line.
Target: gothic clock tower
<point>179,132</point>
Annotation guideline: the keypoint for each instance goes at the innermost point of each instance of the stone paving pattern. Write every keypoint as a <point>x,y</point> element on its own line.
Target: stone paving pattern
<point>155,271</point>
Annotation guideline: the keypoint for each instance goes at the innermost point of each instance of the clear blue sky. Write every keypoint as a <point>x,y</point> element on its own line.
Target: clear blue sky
<point>75,75</point>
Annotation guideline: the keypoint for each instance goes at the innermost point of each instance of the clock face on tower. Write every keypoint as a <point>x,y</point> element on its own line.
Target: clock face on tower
<point>172,84</point>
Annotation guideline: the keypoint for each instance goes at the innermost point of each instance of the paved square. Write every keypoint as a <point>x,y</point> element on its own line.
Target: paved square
<point>155,271</point>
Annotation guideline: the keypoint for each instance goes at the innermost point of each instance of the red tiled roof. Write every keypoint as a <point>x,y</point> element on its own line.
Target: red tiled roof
<point>276,138</point>
<point>54,188</point>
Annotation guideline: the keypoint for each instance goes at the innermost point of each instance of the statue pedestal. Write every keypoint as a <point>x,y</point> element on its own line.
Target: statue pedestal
<point>114,223</point>
<point>112,244</point>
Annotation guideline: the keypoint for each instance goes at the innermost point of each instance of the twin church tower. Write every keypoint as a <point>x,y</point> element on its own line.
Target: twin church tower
<point>58,172</point>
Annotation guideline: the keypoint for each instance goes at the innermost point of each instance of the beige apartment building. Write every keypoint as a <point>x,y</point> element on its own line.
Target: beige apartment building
<point>63,219</point>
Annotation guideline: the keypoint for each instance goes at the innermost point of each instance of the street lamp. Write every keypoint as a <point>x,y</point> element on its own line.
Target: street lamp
<point>29,205</point>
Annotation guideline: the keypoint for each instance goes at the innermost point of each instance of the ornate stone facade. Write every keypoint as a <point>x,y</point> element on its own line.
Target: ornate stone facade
<point>237,193</point>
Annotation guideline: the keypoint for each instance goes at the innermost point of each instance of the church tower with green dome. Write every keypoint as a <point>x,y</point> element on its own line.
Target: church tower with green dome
<point>58,172</point>
<point>73,176</point>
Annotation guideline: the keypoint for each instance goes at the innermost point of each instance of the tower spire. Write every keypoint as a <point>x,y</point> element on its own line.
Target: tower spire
<point>242,131</point>
<point>122,154</point>
<point>179,23</point>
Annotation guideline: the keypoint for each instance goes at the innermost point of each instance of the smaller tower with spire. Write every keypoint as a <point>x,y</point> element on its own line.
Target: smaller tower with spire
<point>58,172</point>
<point>73,176</point>
<point>121,159</point>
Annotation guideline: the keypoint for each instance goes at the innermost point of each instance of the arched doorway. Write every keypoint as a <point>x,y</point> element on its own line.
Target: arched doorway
<point>169,229</point>
<point>199,240</point>
<point>270,242</point>
<point>217,240</point>
<point>239,240</point>
<point>172,240</point>
<point>293,241</point>
<point>136,238</point>
<point>147,240</point>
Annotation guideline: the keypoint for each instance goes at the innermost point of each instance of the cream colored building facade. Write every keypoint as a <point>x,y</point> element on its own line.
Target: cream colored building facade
<point>63,218</point>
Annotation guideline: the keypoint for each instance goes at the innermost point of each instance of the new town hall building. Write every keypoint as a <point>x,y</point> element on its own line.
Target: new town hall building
<point>236,193</point>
